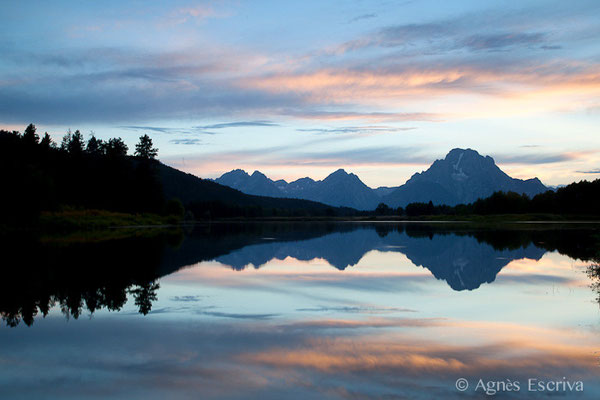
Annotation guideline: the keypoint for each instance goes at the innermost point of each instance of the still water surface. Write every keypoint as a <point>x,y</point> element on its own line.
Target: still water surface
<point>285,311</point>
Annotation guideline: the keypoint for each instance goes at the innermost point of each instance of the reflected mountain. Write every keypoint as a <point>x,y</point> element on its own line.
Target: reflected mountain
<point>462,261</point>
<point>101,270</point>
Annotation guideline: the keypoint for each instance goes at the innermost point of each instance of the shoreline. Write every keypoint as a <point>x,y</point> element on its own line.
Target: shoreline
<point>97,220</point>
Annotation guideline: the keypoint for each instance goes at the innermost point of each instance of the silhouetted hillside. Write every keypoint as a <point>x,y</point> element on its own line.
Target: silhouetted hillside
<point>205,197</point>
<point>40,176</point>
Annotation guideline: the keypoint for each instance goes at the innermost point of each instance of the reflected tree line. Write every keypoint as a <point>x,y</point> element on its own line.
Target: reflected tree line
<point>82,275</point>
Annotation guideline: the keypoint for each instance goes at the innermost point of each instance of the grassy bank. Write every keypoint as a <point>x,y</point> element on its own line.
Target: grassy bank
<point>99,219</point>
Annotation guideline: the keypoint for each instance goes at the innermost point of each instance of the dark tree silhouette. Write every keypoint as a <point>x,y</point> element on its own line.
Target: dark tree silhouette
<point>144,295</point>
<point>383,209</point>
<point>29,136</point>
<point>46,142</point>
<point>593,272</point>
<point>64,143</point>
<point>95,147</point>
<point>75,144</point>
<point>144,148</point>
<point>116,148</point>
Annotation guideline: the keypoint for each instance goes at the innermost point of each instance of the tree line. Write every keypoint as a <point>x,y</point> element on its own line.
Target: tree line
<point>580,198</point>
<point>40,175</point>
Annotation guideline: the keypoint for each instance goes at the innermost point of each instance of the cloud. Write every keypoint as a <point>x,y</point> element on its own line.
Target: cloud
<point>185,14</point>
<point>238,124</point>
<point>362,17</point>
<point>376,155</point>
<point>537,158</point>
<point>592,171</point>
<point>396,35</point>
<point>494,42</point>
<point>186,141</point>
<point>151,128</point>
<point>158,129</point>
<point>441,38</point>
<point>124,85</point>
<point>369,116</point>
<point>551,47</point>
<point>368,130</point>
<point>402,65</point>
<point>307,155</point>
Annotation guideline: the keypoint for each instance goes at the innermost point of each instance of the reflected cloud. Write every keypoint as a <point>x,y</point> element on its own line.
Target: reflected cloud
<point>237,316</point>
<point>365,310</point>
<point>186,298</point>
<point>367,323</point>
<point>416,358</point>
<point>261,360</point>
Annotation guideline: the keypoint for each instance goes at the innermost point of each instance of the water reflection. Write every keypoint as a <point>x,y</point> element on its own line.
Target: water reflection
<point>99,272</point>
<point>334,311</point>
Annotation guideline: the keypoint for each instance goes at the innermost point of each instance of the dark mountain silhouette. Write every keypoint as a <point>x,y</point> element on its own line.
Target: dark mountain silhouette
<point>256,184</point>
<point>340,189</point>
<point>463,176</point>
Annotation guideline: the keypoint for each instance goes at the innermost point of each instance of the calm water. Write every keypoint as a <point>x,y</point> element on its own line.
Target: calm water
<point>285,311</point>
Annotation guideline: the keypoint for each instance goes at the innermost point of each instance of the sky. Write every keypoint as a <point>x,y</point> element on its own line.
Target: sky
<point>295,89</point>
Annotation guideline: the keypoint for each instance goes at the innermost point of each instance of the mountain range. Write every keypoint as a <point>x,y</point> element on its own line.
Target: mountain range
<point>463,176</point>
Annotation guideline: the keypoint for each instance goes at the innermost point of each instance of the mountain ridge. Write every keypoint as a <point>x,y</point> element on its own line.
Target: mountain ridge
<point>463,176</point>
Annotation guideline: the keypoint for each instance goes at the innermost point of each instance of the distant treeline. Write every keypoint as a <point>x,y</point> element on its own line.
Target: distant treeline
<point>581,198</point>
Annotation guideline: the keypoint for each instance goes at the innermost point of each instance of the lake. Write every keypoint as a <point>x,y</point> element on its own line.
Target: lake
<point>302,311</point>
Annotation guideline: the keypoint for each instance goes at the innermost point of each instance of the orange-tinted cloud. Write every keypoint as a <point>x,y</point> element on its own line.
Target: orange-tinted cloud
<point>346,85</point>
